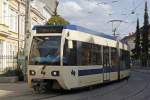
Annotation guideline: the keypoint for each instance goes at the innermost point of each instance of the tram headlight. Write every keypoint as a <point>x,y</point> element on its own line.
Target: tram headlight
<point>55,73</point>
<point>32,72</point>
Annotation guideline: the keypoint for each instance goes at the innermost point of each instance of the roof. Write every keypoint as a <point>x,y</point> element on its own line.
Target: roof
<point>134,34</point>
<point>76,28</point>
<point>128,37</point>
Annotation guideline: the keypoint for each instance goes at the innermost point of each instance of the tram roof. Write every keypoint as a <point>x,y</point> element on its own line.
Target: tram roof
<point>77,28</point>
<point>82,29</point>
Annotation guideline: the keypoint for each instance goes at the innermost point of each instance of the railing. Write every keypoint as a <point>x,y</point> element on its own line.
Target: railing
<point>7,62</point>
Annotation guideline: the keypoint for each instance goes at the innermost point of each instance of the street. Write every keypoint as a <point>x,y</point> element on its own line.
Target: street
<point>136,88</point>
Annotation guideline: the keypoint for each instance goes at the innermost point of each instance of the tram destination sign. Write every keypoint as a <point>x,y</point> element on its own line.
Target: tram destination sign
<point>51,29</point>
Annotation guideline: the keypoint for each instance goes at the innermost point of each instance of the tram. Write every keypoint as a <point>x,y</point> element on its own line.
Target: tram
<point>71,57</point>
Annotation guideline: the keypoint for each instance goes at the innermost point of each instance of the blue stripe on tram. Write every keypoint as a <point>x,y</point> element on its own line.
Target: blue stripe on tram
<point>89,72</point>
<point>98,71</point>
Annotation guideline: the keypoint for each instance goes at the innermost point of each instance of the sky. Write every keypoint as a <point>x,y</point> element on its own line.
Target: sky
<point>97,14</point>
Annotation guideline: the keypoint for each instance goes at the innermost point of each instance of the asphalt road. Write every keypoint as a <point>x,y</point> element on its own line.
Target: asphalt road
<point>136,88</point>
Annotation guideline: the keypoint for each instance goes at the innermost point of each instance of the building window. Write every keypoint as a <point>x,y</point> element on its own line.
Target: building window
<point>13,21</point>
<point>5,12</point>
<point>1,47</point>
<point>46,14</point>
<point>22,25</point>
<point>1,55</point>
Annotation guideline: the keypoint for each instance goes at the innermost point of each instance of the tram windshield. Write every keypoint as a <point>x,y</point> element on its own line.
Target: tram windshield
<point>45,50</point>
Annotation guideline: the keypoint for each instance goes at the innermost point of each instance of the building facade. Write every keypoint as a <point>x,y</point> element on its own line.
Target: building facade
<point>12,28</point>
<point>130,40</point>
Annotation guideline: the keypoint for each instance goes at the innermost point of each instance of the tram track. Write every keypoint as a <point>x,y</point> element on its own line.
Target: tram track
<point>140,91</point>
<point>146,97</point>
<point>20,95</point>
<point>57,95</point>
<point>34,96</point>
<point>48,97</point>
<point>116,89</point>
<point>136,93</point>
<point>105,93</point>
<point>121,87</point>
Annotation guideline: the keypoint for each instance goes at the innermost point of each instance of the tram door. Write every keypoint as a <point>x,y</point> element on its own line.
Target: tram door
<point>106,64</point>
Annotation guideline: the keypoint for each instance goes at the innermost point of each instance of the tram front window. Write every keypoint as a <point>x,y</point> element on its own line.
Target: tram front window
<point>45,50</point>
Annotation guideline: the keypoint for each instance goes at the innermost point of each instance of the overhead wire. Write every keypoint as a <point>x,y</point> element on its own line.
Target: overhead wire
<point>131,11</point>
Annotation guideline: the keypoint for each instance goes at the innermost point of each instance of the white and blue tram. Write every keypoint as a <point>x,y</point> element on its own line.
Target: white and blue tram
<point>69,57</point>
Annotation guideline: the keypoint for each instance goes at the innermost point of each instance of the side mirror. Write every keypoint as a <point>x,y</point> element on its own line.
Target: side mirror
<point>70,44</point>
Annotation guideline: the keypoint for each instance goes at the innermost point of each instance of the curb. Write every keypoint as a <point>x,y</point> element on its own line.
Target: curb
<point>12,79</point>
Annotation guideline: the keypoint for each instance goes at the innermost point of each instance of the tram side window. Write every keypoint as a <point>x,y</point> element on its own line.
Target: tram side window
<point>122,59</point>
<point>99,55</point>
<point>106,56</point>
<point>90,54</point>
<point>82,54</point>
<point>96,55</point>
<point>125,59</point>
<point>114,61</point>
<point>85,54</point>
<point>70,54</point>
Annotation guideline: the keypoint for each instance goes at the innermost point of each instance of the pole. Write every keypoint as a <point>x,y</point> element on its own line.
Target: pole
<point>27,35</point>
<point>115,28</point>
<point>118,58</point>
<point>114,32</point>
<point>18,65</point>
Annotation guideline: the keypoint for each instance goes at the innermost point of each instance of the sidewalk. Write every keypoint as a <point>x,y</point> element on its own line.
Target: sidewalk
<point>14,89</point>
<point>142,69</point>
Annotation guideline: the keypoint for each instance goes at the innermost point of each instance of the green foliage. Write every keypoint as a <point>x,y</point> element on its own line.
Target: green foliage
<point>13,72</point>
<point>9,72</point>
<point>142,41</point>
<point>145,38</point>
<point>57,20</point>
<point>20,53</point>
<point>137,50</point>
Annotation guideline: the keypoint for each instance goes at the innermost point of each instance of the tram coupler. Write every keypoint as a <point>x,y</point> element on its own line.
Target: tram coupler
<point>39,86</point>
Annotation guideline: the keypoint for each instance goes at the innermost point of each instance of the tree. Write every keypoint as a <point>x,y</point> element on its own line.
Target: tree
<point>57,20</point>
<point>137,50</point>
<point>145,39</point>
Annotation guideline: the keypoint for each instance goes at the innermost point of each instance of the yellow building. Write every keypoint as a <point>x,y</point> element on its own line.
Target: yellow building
<point>12,23</point>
